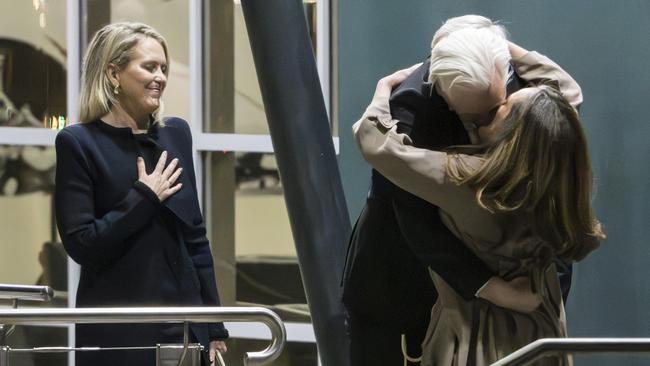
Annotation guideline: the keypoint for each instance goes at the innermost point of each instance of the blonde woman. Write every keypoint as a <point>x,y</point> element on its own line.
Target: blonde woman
<point>126,201</point>
<point>517,203</point>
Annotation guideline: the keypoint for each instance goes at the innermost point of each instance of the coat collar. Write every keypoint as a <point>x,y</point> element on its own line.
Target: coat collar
<point>123,131</point>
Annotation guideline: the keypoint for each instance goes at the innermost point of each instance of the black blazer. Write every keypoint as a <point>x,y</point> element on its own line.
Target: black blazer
<point>110,224</point>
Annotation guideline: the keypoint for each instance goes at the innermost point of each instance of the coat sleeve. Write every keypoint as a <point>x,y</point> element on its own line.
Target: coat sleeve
<point>91,239</point>
<point>419,171</point>
<point>198,248</point>
<point>536,68</point>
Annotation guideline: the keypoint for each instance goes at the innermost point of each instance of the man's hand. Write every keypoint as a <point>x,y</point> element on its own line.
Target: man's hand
<point>514,294</point>
<point>213,348</point>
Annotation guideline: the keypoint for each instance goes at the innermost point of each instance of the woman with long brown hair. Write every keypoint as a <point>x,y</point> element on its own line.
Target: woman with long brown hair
<point>518,201</point>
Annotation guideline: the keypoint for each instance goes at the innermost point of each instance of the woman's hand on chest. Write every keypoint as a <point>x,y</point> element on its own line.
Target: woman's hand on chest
<point>162,181</point>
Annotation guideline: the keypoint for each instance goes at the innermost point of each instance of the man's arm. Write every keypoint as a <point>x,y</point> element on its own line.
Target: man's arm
<point>435,246</point>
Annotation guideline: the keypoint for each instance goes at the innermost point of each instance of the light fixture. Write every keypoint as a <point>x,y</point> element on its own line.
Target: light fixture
<point>41,20</point>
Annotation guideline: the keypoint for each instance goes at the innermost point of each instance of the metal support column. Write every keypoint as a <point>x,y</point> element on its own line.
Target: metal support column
<point>4,356</point>
<point>302,142</point>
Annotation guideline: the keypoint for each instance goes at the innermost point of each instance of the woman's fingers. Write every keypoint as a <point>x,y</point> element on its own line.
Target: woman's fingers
<point>390,81</point>
<point>141,168</point>
<point>172,179</point>
<point>169,170</point>
<point>401,75</point>
<point>160,166</point>
<point>162,180</point>
<point>404,73</point>
<point>170,191</point>
<point>412,68</point>
<point>212,355</point>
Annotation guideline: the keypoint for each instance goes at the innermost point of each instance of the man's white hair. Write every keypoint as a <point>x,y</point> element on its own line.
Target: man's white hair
<point>468,21</point>
<point>467,61</point>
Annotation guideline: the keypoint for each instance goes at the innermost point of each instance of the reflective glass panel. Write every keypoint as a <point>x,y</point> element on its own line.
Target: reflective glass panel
<point>32,64</point>
<point>30,251</point>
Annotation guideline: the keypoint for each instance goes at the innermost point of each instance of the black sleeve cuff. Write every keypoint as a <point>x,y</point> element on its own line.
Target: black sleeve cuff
<point>146,191</point>
<point>217,332</point>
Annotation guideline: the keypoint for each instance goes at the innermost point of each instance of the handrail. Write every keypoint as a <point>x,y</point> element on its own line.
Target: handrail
<point>161,315</point>
<point>542,347</point>
<point>26,292</point>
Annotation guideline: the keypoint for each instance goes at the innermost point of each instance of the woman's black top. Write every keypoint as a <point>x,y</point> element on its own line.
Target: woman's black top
<point>133,249</point>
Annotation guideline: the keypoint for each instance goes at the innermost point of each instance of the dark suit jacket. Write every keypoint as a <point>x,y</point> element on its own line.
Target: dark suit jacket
<point>133,250</point>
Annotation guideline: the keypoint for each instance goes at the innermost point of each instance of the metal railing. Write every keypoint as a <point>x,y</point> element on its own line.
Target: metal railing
<point>14,293</point>
<point>543,347</point>
<point>24,292</point>
<point>159,315</point>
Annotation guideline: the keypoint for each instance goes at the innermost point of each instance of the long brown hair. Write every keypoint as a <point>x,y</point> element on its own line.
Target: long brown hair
<point>539,166</point>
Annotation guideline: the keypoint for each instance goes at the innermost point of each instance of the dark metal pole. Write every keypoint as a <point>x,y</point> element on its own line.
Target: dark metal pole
<point>302,141</point>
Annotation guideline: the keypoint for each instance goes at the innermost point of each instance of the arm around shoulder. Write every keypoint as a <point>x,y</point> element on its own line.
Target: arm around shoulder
<point>536,68</point>
<point>419,171</point>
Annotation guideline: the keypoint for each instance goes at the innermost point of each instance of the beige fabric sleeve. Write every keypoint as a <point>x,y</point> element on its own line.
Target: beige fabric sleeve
<point>536,68</point>
<point>419,171</point>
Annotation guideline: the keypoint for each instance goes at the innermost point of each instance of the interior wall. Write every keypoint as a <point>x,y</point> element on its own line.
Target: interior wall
<point>605,46</point>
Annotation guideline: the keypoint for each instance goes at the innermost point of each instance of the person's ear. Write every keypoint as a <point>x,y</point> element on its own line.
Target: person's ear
<point>113,74</point>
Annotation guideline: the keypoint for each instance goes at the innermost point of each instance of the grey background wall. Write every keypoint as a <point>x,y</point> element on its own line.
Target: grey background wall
<point>605,45</point>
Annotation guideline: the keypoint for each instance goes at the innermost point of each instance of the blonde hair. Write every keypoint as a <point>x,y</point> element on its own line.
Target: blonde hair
<point>111,44</point>
<point>539,167</point>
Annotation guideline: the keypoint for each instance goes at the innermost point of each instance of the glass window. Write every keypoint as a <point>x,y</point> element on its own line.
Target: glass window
<point>26,221</point>
<point>32,64</point>
<point>259,199</point>
<point>33,50</point>
<point>255,256</point>
<point>249,116</point>
<point>249,108</point>
<point>267,265</point>
<point>253,247</point>
<point>171,19</point>
<point>32,253</point>
<point>250,229</point>
<point>32,94</point>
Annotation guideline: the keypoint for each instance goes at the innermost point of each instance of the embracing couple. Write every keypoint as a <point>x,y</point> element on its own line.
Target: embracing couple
<point>480,202</point>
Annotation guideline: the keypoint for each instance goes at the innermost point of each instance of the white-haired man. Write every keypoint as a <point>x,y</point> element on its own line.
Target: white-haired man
<point>470,69</point>
<point>387,290</point>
